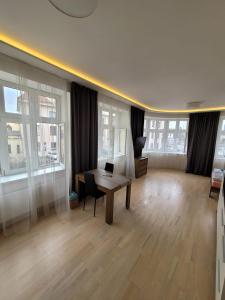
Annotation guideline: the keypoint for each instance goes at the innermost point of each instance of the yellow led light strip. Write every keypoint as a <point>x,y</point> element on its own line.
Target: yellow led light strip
<point>22,47</point>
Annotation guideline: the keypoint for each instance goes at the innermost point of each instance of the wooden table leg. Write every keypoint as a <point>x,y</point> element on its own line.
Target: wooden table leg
<point>128,196</point>
<point>109,208</point>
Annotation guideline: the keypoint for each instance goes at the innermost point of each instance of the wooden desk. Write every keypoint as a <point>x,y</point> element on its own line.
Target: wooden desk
<point>109,184</point>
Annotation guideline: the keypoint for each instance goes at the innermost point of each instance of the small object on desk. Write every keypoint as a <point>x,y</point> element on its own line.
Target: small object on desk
<point>109,167</point>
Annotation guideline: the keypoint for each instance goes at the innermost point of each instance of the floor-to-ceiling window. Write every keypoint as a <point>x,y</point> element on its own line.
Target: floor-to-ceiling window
<point>114,135</point>
<point>34,152</point>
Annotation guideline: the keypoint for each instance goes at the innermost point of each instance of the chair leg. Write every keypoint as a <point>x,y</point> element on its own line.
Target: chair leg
<point>210,192</point>
<point>84,204</point>
<point>94,207</point>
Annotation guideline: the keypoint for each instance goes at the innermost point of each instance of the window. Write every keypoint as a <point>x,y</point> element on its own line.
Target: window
<point>107,147</point>
<point>16,156</point>
<point>111,139</point>
<point>62,144</point>
<point>36,115</point>
<point>53,130</point>
<point>223,125</point>
<point>9,149</point>
<point>39,146</point>
<point>53,145</point>
<point>220,144</point>
<point>165,135</point>
<point>47,107</point>
<point>18,149</point>
<point>119,141</point>
<point>47,138</point>
<point>172,125</point>
<point>105,117</point>
<point>15,101</point>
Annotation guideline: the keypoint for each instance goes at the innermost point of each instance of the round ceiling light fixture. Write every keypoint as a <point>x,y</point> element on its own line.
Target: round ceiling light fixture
<point>75,8</point>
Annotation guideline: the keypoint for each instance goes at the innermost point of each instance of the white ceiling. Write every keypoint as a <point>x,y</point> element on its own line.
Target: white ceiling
<point>165,53</point>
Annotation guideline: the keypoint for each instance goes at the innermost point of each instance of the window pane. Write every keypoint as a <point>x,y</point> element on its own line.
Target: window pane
<point>154,141</point>
<point>170,142</point>
<point>114,119</point>
<point>15,146</point>
<point>53,146</point>
<point>151,141</point>
<point>105,117</point>
<point>160,124</point>
<point>159,142</point>
<point>221,146</point>
<point>47,107</point>
<point>62,145</point>
<point>47,144</point>
<point>172,124</point>
<point>176,144</point>
<point>53,130</point>
<point>122,141</point>
<point>181,142</point>
<point>183,125</point>
<point>153,124</point>
<point>106,150</point>
<point>9,149</point>
<point>223,125</point>
<point>15,101</point>
<point>119,142</point>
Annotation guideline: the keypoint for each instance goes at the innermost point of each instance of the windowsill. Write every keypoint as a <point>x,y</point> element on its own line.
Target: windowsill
<point>22,176</point>
<point>111,158</point>
<point>173,153</point>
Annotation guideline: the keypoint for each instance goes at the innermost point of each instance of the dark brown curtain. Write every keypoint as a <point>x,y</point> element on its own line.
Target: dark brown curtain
<point>84,129</point>
<point>137,126</point>
<point>202,134</point>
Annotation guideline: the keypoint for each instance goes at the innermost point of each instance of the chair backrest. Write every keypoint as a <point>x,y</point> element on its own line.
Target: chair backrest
<point>90,185</point>
<point>109,167</point>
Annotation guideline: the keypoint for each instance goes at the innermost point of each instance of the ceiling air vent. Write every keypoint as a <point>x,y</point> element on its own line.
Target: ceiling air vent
<point>194,104</point>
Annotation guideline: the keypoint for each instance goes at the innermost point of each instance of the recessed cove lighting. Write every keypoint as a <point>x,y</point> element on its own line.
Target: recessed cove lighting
<point>86,77</point>
<point>75,8</point>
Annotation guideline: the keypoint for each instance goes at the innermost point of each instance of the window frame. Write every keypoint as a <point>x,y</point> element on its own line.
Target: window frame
<point>4,83</point>
<point>30,120</point>
<point>103,126</point>
<point>220,132</point>
<point>114,147</point>
<point>165,132</point>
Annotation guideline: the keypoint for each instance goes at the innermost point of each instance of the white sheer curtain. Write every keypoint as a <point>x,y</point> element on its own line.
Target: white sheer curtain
<point>219,157</point>
<point>115,140</point>
<point>34,152</point>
